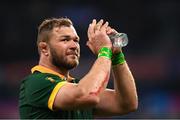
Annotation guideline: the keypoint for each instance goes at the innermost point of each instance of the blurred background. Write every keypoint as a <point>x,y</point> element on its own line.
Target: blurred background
<point>153,56</point>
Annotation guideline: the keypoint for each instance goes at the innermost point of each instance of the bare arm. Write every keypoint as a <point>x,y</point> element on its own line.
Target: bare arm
<point>86,93</point>
<point>125,87</point>
<point>123,99</point>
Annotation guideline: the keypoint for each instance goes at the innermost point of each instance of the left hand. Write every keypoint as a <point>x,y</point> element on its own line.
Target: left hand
<point>109,31</point>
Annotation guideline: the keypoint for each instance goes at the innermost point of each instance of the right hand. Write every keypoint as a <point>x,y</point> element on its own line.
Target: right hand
<point>98,37</point>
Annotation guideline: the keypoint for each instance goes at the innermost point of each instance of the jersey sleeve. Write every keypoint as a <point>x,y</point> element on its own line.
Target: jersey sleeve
<point>41,90</point>
<point>53,94</point>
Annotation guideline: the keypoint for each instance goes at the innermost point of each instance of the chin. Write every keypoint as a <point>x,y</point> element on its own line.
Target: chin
<point>73,60</point>
<point>74,63</point>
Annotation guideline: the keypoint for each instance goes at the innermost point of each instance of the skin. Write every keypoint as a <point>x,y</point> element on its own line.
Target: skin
<point>64,44</point>
<point>91,90</point>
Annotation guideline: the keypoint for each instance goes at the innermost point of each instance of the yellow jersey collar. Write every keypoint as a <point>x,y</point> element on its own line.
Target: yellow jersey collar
<point>43,69</point>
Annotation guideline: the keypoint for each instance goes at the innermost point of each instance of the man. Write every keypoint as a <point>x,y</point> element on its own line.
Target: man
<point>50,92</point>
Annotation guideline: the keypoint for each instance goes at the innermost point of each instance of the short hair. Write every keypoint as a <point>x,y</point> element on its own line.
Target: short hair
<point>46,27</point>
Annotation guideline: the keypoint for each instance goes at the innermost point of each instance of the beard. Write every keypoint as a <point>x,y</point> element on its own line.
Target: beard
<point>62,62</point>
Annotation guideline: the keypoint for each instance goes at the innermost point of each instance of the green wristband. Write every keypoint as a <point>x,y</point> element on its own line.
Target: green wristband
<point>118,59</point>
<point>105,52</point>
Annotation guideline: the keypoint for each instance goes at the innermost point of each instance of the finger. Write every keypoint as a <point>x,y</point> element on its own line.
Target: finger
<point>104,27</point>
<point>94,22</point>
<point>91,29</point>
<point>114,31</point>
<point>111,31</point>
<point>108,30</point>
<point>88,32</point>
<point>99,25</point>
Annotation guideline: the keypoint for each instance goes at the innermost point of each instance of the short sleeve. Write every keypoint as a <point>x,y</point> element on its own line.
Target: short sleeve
<point>53,94</point>
<point>42,88</point>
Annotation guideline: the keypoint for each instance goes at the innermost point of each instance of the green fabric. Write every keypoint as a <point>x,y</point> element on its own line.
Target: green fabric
<point>105,52</point>
<point>35,91</point>
<point>118,59</point>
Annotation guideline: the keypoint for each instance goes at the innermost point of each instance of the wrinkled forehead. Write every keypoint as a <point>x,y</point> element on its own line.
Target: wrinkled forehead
<point>65,30</point>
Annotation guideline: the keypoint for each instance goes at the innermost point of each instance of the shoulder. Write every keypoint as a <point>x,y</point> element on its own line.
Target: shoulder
<point>43,76</point>
<point>39,83</point>
<point>41,79</point>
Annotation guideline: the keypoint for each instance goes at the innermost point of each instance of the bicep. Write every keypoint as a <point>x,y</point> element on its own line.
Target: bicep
<point>70,96</point>
<point>109,105</point>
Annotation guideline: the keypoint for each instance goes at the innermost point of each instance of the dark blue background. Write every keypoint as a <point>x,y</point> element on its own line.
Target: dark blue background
<point>153,29</point>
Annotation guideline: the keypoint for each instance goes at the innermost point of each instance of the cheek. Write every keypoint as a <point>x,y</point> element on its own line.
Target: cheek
<point>62,53</point>
<point>79,50</point>
<point>78,46</point>
<point>60,49</point>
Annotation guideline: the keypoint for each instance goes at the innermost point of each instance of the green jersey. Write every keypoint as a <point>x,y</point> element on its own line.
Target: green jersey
<point>37,94</point>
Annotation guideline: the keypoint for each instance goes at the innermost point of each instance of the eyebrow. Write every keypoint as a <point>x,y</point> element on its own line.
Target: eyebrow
<point>68,37</point>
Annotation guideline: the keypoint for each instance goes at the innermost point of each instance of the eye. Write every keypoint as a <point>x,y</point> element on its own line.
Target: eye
<point>76,40</point>
<point>65,39</point>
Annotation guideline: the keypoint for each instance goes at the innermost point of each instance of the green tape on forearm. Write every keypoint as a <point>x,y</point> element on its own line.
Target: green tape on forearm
<point>118,59</point>
<point>105,52</point>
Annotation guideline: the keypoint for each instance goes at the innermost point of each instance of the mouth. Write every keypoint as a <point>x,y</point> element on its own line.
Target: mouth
<point>74,53</point>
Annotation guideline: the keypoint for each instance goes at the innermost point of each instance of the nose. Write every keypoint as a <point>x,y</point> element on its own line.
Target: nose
<point>74,44</point>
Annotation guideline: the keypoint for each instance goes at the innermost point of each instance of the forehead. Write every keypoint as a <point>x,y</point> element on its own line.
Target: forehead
<point>64,30</point>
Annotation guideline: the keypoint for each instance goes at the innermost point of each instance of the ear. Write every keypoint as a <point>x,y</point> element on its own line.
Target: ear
<point>44,48</point>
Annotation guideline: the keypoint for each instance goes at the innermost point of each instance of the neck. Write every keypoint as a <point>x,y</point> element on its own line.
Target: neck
<point>61,71</point>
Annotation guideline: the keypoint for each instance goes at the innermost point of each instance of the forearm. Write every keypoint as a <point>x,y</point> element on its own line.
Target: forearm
<point>124,85</point>
<point>97,78</point>
<point>86,92</point>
